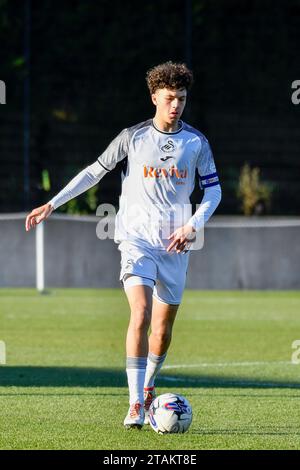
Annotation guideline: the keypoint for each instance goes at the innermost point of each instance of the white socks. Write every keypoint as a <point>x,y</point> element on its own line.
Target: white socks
<point>154,364</point>
<point>136,370</point>
<point>139,377</point>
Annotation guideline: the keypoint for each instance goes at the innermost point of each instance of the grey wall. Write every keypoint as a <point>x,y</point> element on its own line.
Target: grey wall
<point>238,253</point>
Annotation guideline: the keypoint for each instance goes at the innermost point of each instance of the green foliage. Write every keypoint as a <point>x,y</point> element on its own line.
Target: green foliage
<point>254,195</point>
<point>91,198</point>
<point>18,62</point>
<point>46,184</point>
<point>86,204</point>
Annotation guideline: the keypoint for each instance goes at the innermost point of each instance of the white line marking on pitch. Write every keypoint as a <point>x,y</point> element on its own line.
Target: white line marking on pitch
<point>225,364</point>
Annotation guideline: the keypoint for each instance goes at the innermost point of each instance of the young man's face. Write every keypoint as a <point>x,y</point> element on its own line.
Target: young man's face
<point>169,104</point>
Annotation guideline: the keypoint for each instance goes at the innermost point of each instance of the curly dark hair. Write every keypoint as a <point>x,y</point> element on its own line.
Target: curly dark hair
<point>169,75</point>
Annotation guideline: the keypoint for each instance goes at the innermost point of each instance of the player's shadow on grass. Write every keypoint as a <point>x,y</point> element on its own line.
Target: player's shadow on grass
<point>34,376</point>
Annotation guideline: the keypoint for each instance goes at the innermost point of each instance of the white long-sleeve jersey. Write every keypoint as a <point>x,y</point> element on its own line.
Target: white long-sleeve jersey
<point>157,183</point>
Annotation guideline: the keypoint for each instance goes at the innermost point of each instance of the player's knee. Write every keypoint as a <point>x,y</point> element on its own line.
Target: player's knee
<point>140,317</point>
<point>162,334</point>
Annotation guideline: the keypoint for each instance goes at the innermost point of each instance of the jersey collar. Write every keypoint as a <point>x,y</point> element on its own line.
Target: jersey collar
<point>169,133</point>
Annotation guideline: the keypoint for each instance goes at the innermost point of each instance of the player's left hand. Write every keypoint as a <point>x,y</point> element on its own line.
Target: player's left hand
<point>181,238</point>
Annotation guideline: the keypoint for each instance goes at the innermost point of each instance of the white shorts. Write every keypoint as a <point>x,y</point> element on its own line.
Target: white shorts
<point>167,270</point>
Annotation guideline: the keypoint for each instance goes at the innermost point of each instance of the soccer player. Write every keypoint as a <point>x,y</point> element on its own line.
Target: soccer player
<point>154,225</point>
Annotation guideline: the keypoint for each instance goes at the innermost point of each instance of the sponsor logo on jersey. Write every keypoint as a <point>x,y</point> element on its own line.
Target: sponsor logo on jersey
<point>158,172</point>
<point>168,147</point>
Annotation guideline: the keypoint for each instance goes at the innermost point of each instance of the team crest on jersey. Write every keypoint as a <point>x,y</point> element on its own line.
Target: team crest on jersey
<point>168,147</point>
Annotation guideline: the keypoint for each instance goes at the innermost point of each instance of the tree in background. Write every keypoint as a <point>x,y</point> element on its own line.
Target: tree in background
<point>255,195</point>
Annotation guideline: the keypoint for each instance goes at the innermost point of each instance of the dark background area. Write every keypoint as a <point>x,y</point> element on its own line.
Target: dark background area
<point>86,65</point>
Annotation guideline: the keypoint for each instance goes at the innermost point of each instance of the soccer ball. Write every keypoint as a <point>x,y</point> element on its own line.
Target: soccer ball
<point>170,413</point>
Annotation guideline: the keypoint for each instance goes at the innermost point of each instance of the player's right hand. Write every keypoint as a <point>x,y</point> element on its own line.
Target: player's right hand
<point>38,215</point>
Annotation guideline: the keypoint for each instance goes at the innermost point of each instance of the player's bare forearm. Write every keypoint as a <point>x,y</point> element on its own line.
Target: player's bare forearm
<point>181,238</point>
<point>37,215</point>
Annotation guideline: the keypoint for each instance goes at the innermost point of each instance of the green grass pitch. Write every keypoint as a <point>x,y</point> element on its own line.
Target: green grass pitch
<point>64,385</point>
